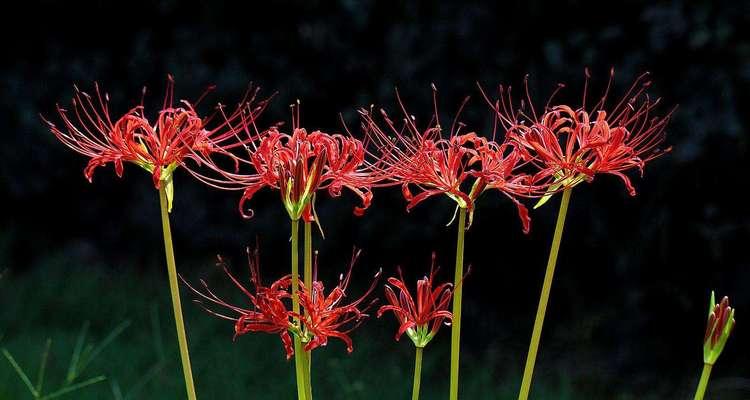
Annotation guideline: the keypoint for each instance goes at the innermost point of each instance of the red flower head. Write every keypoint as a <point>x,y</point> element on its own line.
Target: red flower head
<point>299,165</point>
<point>573,145</point>
<point>323,316</point>
<point>422,319</point>
<point>461,166</point>
<point>159,147</point>
<point>326,316</point>
<point>268,311</point>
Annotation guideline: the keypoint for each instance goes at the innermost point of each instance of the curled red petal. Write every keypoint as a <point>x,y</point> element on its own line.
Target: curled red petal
<point>247,195</point>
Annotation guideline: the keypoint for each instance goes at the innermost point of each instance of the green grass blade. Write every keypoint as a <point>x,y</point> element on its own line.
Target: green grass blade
<point>85,354</point>
<point>116,391</point>
<point>43,366</point>
<point>145,379</point>
<point>75,387</point>
<point>90,356</point>
<point>74,360</point>
<point>21,374</point>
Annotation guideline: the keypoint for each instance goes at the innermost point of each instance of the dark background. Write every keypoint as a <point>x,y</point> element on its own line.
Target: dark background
<point>628,305</point>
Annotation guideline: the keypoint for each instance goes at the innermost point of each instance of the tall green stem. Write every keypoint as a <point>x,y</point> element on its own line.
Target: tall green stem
<point>174,290</point>
<point>417,374</point>
<point>308,278</point>
<point>299,352</point>
<point>457,296</point>
<point>541,310</point>
<point>701,390</point>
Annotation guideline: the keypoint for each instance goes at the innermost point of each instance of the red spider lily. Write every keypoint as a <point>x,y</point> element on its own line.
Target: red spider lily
<point>325,316</point>
<point>178,132</point>
<point>719,327</point>
<point>573,145</point>
<point>425,160</point>
<point>422,319</point>
<point>299,165</point>
<point>268,312</point>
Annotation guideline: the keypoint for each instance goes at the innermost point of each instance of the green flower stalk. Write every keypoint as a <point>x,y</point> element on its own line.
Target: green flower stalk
<point>719,327</point>
<point>174,290</point>
<point>299,354</point>
<point>541,310</point>
<point>458,295</point>
<point>308,280</point>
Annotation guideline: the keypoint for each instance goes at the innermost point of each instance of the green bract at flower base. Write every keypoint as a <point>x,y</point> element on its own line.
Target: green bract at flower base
<point>165,180</point>
<point>559,185</point>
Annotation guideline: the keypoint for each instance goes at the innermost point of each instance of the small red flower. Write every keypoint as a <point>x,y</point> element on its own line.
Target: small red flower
<point>460,166</point>
<point>325,316</point>
<point>420,319</point>
<point>298,165</point>
<point>268,311</point>
<point>573,145</point>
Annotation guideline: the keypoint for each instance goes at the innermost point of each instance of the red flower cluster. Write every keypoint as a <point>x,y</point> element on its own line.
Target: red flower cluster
<point>461,166</point>
<point>539,155</point>
<point>298,165</point>
<point>179,132</point>
<point>574,144</point>
<point>322,316</point>
<point>420,319</point>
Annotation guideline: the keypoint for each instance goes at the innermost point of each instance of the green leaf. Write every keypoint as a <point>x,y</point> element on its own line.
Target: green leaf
<point>116,392</point>
<point>101,346</point>
<point>72,373</point>
<point>75,387</point>
<point>152,373</point>
<point>43,366</point>
<point>21,374</point>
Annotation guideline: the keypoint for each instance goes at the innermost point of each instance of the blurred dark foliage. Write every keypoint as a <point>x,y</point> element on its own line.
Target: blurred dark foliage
<point>634,275</point>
